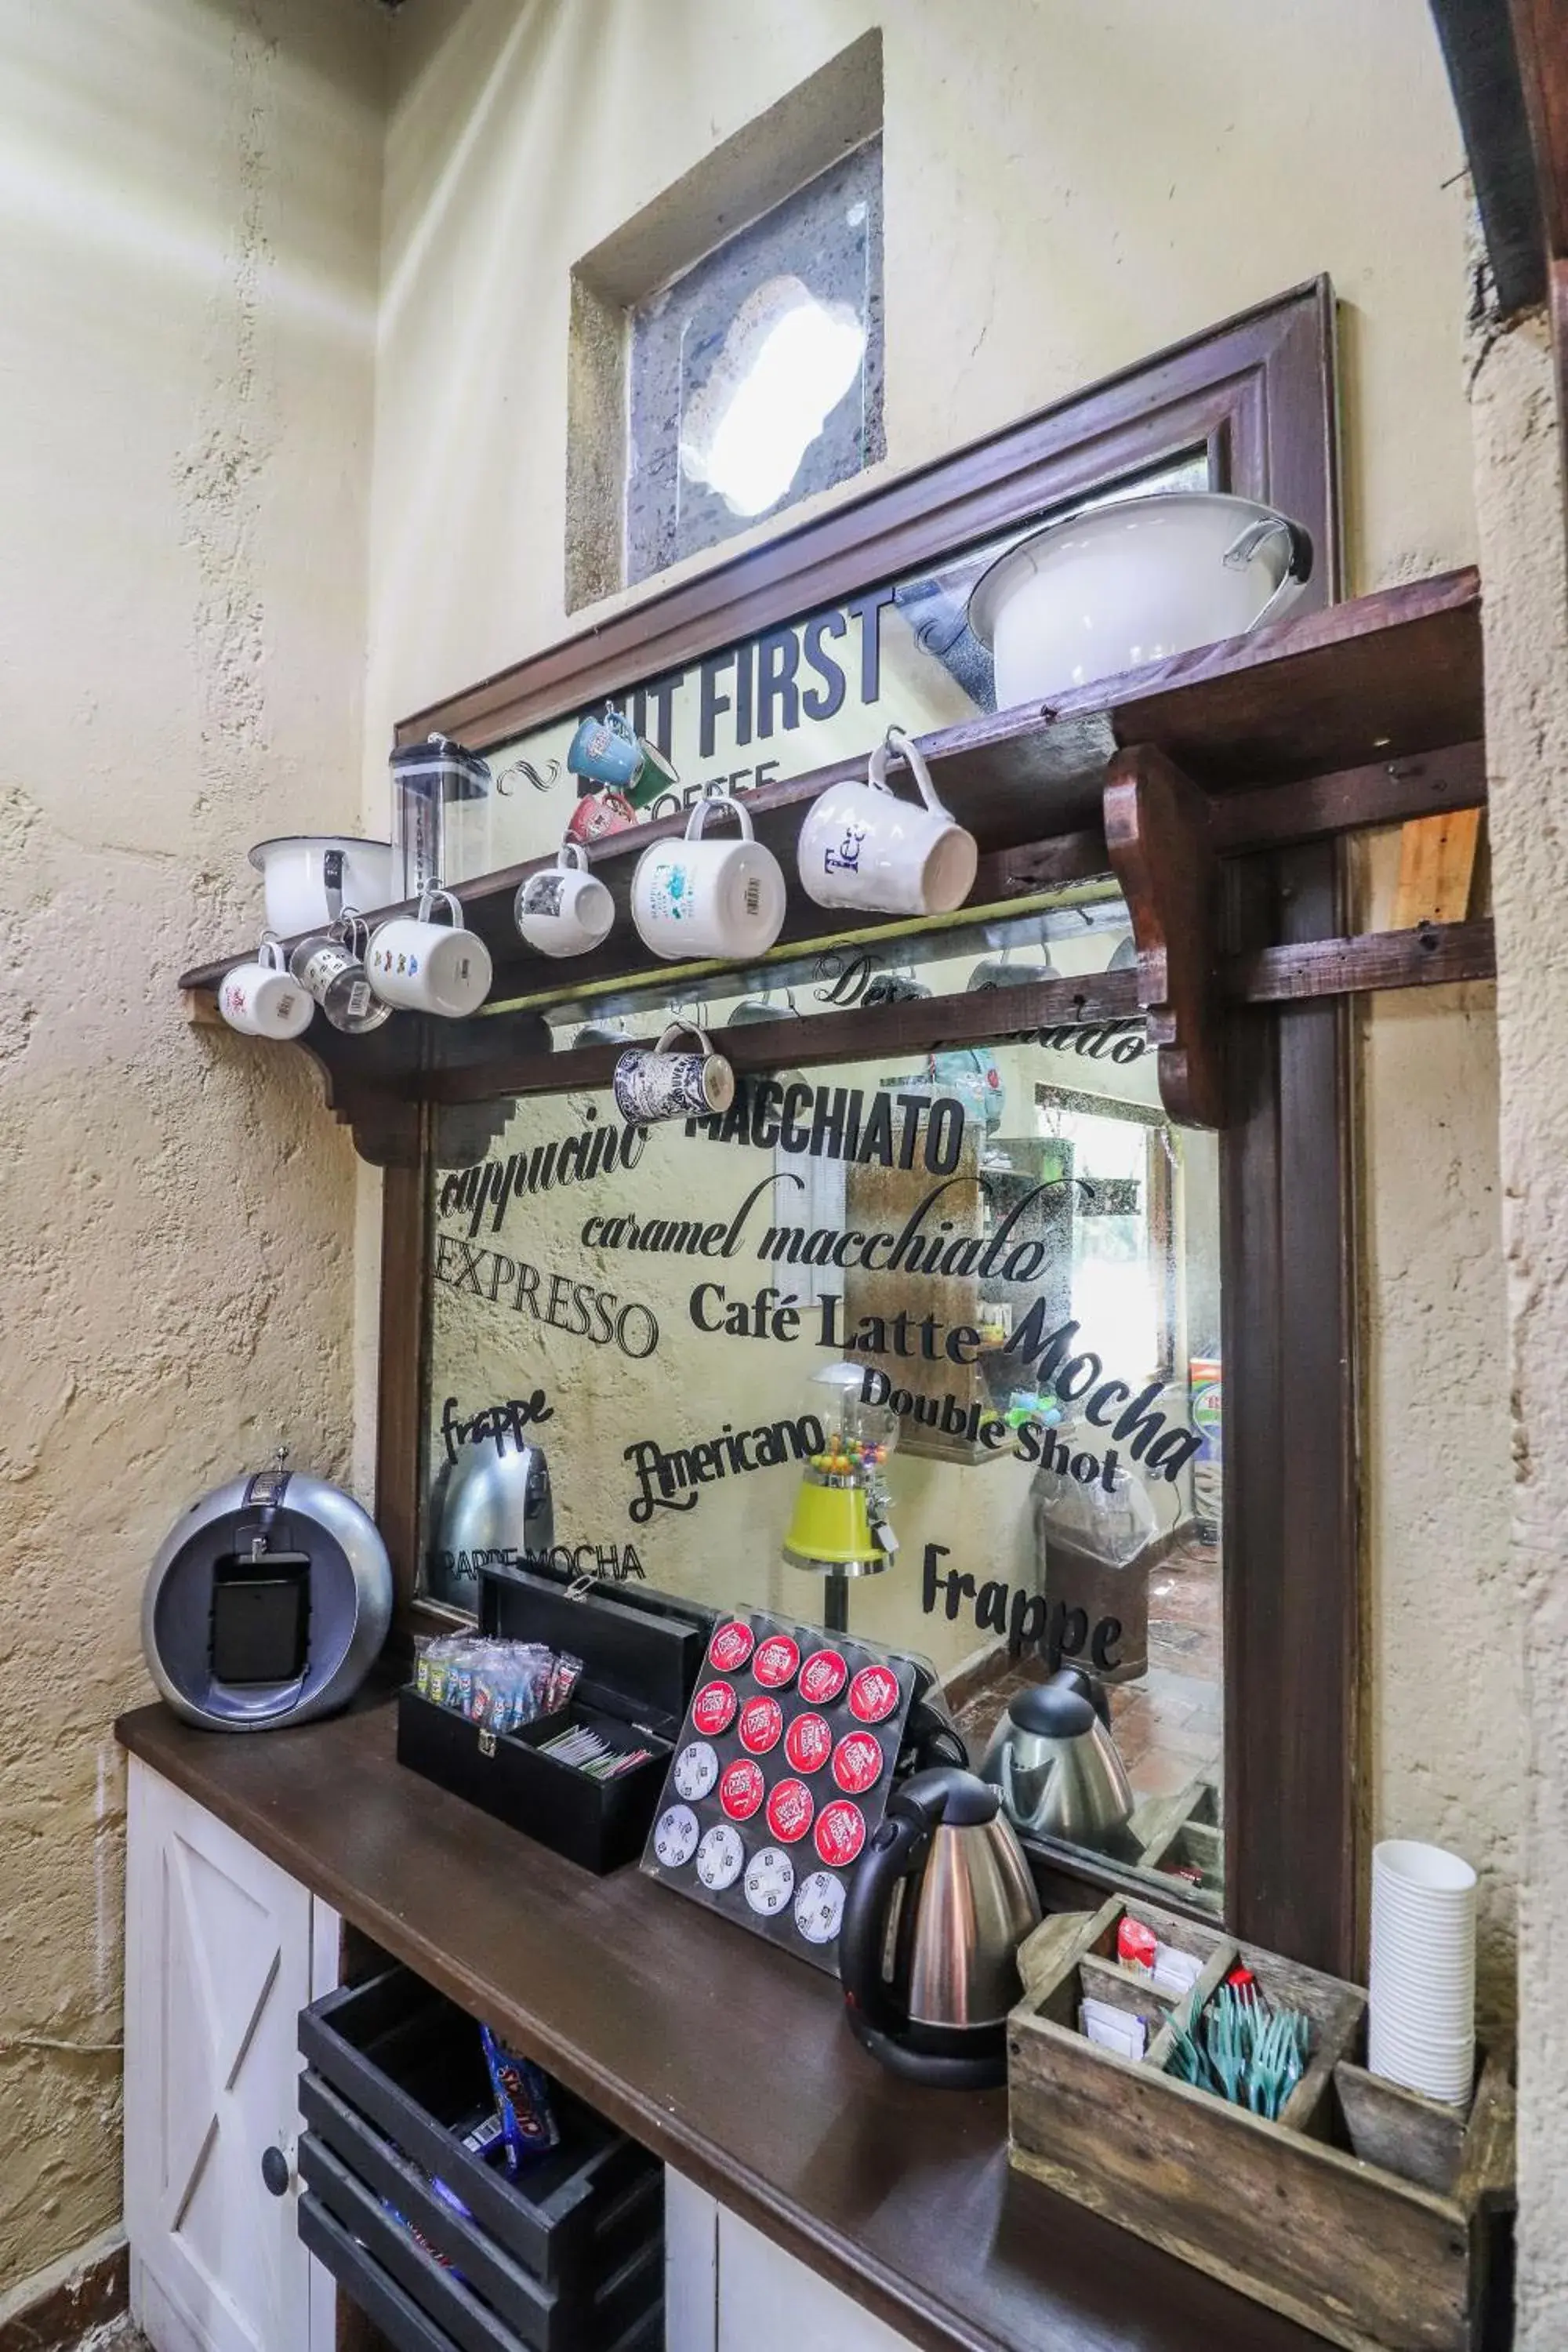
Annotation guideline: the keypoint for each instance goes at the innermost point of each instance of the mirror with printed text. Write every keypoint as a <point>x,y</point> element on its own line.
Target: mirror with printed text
<point>928,1339</point>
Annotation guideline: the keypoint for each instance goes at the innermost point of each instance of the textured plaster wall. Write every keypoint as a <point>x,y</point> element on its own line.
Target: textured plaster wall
<point>1067,190</point>
<point>187,277</point>
<point>1446,1732</point>
<point>1062,196</point>
<point>1519,487</point>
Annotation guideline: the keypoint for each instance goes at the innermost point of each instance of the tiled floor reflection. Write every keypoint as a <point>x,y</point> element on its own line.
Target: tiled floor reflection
<point>1169,1726</point>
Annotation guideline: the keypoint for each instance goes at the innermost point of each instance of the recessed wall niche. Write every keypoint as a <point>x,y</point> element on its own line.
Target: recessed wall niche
<point>726,343</point>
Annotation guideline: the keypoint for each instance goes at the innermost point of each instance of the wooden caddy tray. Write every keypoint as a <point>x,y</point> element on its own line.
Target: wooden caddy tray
<point>1366,2212</point>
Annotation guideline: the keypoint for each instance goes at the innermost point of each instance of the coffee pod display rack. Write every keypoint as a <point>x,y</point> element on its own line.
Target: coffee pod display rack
<point>1368,712</point>
<point>1365,2211</point>
<point>781,1776</point>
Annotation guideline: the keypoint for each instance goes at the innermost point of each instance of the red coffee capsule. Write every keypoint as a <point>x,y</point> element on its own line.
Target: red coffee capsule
<point>775,1661</point>
<point>731,1647</point>
<point>713,1709</point>
<point>808,1743</point>
<point>762,1724</point>
<point>742,1788</point>
<point>874,1694</point>
<point>840,1832</point>
<point>823,1676</point>
<point>790,1809</point>
<point>857,1763</point>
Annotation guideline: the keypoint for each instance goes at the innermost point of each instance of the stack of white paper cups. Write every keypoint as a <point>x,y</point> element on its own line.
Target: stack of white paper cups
<point>1421,2018</point>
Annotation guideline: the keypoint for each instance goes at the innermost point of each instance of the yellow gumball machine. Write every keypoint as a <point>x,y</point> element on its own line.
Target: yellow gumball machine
<point>840,1527</point>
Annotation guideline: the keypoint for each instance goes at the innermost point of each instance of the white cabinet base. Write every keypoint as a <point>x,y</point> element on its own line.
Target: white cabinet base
<point>223,1950</point>
<point>730,2289</point>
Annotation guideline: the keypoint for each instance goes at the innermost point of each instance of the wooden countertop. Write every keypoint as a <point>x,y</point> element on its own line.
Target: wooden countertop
<point>728,2059</point>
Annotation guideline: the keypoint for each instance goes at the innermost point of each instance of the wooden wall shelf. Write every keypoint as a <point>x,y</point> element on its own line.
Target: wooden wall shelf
<point>1366,713</point>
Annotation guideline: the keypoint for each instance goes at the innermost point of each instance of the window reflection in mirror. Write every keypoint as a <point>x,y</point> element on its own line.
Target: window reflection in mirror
<point>1017,1256</point>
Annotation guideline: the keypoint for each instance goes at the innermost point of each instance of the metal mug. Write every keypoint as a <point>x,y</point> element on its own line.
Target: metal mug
<point>331,965</point>
<point>429,967</point>
<point>263,999</point>
<point>761,1007</point>
<point>606,750</point>
<point>861,846</point>
<point>564,909</point>
<point>655,777</point>
<point>654,1083</point>
<point>706,897</point>
<point>597,815</point>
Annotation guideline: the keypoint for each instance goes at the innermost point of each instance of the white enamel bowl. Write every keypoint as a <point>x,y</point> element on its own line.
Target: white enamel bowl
<point>310,878</point>
<point>1131,582</point>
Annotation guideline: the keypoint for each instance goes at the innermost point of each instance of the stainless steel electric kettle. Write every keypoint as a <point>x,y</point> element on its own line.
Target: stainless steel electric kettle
<point>1056,1764</point>
<point>937,1908</point>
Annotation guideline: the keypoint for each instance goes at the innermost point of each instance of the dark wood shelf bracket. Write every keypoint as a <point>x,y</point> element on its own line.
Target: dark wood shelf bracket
<point>1157,830</point>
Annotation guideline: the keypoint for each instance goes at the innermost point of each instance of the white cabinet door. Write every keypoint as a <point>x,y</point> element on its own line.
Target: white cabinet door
<point>769,2302</point>
<point>730,2289</point>
<point>223,1950</point>
<point>690,2266</point>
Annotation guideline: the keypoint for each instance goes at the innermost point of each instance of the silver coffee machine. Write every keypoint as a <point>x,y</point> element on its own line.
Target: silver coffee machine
<point>267,1603</point>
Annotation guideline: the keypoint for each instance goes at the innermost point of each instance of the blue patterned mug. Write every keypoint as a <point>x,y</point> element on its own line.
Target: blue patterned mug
<point>655,1083</point>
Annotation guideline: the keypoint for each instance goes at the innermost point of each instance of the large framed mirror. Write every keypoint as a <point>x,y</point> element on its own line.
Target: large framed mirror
<point>1207,1277</point>
<point>1002,1263</point>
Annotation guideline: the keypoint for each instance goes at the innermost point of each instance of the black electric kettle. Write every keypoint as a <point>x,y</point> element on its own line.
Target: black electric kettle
<point>927,1952</point>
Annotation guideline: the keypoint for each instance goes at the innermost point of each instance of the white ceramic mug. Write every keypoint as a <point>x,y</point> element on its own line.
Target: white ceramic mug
<point>565,909</point>
<point>862,846</point>
<point>697,898</point>
<point>264,999</point>
<point>429,967</point>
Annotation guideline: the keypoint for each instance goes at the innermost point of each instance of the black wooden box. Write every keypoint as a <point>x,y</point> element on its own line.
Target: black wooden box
<point>640,1656</point>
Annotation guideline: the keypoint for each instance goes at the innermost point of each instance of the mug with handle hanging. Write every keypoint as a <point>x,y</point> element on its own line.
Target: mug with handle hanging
<point>658,1082</point>
<point>331,965</point>
<point>693,896</point>
<point>862,846</point>
<point>605,750</point>
<point>564,909</point>
<point>429,967</point>
<point>263,999</point>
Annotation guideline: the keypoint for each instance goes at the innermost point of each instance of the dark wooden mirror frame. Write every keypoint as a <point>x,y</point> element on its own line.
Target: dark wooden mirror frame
<point>1258,394</point>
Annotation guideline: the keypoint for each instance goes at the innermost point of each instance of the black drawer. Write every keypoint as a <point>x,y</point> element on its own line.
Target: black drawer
<point>406,2319</point>
<point>394,2065</point>
<point>622,2224</point>
<point>483,2302</point>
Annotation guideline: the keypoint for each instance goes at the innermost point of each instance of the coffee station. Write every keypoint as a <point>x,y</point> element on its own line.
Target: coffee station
<point>836,1750</point>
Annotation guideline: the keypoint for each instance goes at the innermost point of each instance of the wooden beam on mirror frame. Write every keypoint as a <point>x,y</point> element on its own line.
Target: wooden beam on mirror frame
<point>1480,51</point>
